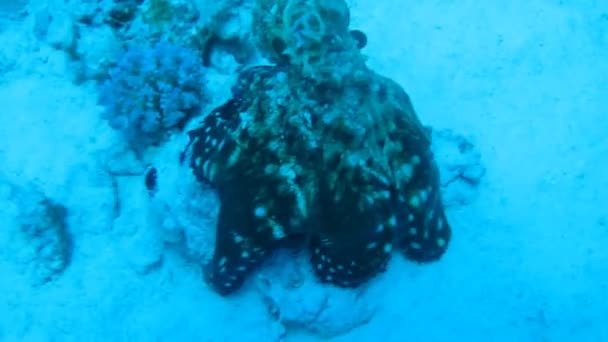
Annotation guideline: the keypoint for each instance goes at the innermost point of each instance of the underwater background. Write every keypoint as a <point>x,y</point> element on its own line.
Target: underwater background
<point>108,224</point>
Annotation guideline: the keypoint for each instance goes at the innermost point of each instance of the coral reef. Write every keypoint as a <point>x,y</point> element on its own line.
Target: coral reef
<point>152,91</point>
<point>92,33</point>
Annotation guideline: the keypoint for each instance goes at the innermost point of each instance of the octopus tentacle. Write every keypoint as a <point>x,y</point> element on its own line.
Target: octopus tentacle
<point>356,235</point>
<point>425,232</point>
<point>212,144</point>
<point>243,239</point>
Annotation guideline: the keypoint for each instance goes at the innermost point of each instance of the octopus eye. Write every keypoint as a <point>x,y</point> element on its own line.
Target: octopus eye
<point>150,180</point>
<point>360,37</point>
<point>279,46</point>
<point>381,142</point>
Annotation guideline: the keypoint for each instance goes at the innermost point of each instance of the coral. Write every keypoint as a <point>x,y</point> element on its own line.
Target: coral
<point>208,28</point>
<point>152,91</point>
<point>159,12</point>
<point>122,13</point>
<point>203,26</point>
<point>309,34</point>
<point>176,21</point>
<point>228,32</point>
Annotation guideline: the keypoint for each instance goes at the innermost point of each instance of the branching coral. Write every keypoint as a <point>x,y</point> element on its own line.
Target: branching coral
<point>152,91</point>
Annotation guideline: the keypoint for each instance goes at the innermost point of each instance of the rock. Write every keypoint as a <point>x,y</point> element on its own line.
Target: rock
<point>185,212</point>
<point>298,301</point>
<point>95,51</point>
<point>61,30</point>
<point>39,235</point>
<point>142,245</point>
<point>460,167</point>
<point>42,21</point>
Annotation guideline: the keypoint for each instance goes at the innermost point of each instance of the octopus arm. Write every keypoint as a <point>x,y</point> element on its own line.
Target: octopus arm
<point>253,220</point>
<point>426,232</point>
<point>211,145</point>
<point>356,235</point>
<point>242,242</point>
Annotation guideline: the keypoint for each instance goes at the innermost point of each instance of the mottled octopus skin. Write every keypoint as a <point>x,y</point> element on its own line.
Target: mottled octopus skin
<point>348,168</point>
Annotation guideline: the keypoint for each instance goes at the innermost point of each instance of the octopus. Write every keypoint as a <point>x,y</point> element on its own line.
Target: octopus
<point>346,168</point>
